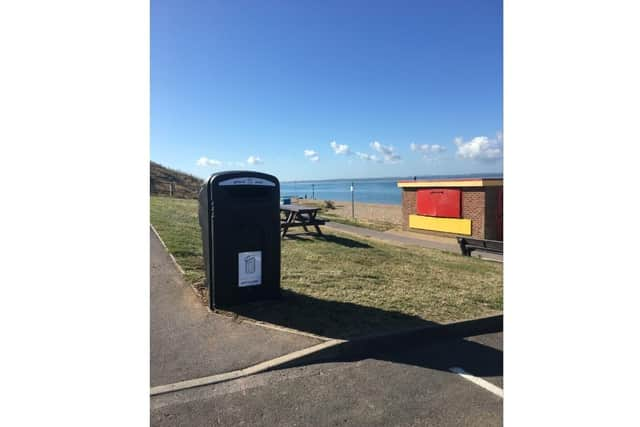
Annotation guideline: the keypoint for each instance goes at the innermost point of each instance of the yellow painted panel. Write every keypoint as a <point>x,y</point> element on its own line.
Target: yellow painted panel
<point>452,183</point>
<point>445,225</point>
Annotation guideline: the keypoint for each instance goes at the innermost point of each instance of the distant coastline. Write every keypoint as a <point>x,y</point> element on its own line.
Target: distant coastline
<point>366,190</point>
<point>397,178</point>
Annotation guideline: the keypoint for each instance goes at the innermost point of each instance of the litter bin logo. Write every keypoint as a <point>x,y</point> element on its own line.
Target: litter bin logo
<point>249,268</point>
<point>250,264</point>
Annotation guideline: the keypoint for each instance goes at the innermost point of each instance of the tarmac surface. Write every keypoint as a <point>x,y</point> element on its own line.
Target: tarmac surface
<point>188,341</point>
<point>412,382</point>
<point>404,386</point>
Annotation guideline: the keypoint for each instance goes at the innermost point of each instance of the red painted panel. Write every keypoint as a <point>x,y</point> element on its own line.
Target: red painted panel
<point>440,202</point>
<point>499,214</point>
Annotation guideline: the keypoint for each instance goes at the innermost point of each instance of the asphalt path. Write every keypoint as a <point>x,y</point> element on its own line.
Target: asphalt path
<point>188,341</point>
<point>404,386</point>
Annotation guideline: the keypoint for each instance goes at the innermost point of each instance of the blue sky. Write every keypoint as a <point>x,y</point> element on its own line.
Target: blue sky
<point>330,89</point>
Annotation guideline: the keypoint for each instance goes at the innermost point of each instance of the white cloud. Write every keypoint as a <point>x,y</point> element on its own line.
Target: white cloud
<point>312,155</point>
<point>387,151</point>
<point>479,148</point>
<point>427,150</point>
<point>340,148</point>
<point>254,160</point>
<point>203,161</point>
<point>369,157</point>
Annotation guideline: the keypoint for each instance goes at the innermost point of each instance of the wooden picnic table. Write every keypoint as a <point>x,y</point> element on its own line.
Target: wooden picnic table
<point>300,216</point>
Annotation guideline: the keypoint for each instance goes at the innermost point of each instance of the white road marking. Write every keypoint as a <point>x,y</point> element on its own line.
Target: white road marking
<point>478,381</point>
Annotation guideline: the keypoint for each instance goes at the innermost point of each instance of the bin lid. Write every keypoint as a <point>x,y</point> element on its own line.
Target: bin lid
<point>244,178</point>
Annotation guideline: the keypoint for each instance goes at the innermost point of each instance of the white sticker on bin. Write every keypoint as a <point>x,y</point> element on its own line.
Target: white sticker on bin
<point>249,268</point>
<point>247,180</point>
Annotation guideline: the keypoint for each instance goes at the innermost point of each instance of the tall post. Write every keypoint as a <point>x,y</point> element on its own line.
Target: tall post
<point>313,191</point>
<point>353,214</point>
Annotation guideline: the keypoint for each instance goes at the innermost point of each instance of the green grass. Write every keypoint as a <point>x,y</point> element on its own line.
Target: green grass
<point>343,286</point>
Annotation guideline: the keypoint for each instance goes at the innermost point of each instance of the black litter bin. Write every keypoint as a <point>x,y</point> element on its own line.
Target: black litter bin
<point>240,223</point>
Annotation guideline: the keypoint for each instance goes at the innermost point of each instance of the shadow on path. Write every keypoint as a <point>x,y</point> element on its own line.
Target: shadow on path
<point>439,347</point>
<point>474,357</point>
<point>327,318</point>
<point>381,334</point>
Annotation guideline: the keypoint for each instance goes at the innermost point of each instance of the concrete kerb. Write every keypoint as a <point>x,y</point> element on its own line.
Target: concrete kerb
<point>334,349</point>
<point>251,370</point>
<point>362,347</point>
<point>344,350</point>
<point>170,254</point>
<point>272,326</point>
<point>261,324</point>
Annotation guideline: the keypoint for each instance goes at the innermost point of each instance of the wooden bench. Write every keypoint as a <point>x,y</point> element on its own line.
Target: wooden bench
<point>467,245</point>
<point>300,216</point>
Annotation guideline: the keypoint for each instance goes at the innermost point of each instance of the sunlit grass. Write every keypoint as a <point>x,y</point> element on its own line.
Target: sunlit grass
<point>343,285</point>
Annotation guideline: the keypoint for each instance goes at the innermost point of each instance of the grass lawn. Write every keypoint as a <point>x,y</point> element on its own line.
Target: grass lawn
<point>343,286</point>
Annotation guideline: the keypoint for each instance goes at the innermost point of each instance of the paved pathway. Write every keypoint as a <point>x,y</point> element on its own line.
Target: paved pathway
<point>188,341</point>
<point>403,239</point>
<point>403,387</point>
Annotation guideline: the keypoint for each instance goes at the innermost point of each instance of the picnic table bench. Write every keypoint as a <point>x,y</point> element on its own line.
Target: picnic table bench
<point>467,245</point>
<point>300,216</point>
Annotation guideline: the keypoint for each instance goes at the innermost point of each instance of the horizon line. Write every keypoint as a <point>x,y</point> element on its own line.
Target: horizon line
<point>452,175</point>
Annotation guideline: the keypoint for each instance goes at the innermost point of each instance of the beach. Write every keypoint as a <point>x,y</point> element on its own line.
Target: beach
<point>376,213</point>
<point>370,211</point>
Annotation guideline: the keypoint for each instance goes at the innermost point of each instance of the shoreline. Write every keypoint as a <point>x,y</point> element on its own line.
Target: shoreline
<point>498,175</point>
<point>367,203</point>
<point>303,200</point>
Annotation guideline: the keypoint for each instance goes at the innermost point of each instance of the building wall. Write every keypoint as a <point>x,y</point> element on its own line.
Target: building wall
<point>491,213</point>
<point>408,205</point>
<point>478,204</point>
<point>473,208</point>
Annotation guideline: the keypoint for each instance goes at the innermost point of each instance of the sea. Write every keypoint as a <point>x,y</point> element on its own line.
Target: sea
<point>365,190</point>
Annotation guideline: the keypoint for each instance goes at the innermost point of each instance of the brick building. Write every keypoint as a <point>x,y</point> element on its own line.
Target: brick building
<point>453,207</point>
